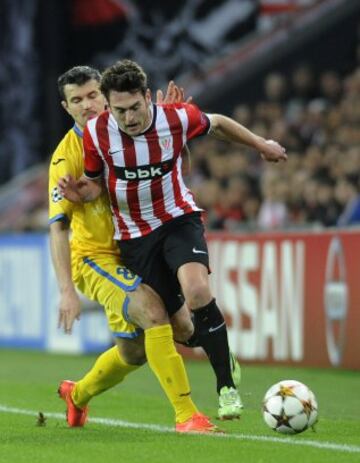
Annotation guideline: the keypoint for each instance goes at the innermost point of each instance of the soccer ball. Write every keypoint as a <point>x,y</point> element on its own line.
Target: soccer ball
<point>290,407</point>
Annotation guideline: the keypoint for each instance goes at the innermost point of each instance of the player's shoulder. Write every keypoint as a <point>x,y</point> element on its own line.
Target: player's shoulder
<point>67,143</point>
<point>67,151</point>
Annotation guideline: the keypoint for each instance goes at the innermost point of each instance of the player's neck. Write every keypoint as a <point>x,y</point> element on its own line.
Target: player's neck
<point>78,129</point>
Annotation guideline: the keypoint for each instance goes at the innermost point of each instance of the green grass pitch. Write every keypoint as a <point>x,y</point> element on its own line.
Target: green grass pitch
<point>28,383</point>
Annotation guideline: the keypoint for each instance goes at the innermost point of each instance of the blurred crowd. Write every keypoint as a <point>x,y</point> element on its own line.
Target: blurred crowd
<point>317,119</point>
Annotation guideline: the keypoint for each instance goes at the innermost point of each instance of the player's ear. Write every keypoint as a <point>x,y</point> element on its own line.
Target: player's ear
<point>148,96</point>
<point>65,106</point>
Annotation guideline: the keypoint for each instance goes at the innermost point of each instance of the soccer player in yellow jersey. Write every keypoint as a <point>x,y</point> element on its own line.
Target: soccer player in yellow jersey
<point>91,261</point>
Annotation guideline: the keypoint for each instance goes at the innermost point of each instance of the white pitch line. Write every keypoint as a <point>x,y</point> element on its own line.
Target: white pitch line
<point>164,429</point>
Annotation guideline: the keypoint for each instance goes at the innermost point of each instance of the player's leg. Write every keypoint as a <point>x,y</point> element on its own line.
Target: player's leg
<point>110,369</point>
<point>210,323</point>
<point>187,254</point>
<point>104,282</point>
<point>211,334</point>
<point>163,359</point>
<point>185,333</point>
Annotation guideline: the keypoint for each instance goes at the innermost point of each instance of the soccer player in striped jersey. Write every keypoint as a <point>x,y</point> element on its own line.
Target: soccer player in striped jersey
<point>91,260</point>
<point>136,148</point>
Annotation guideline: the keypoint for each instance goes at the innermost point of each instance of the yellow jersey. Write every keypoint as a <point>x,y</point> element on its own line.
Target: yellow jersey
<point>91,223</point>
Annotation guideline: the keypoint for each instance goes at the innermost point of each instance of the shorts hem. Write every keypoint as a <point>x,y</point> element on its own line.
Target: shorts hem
<point>125,309</point>
<point>126,335</point>
<point>192,260</point>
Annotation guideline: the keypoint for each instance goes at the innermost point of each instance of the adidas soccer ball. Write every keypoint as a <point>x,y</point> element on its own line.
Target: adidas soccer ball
<point>290,407</point>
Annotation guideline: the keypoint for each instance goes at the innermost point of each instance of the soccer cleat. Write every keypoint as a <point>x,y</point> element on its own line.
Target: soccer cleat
<point>74,416</point>
<point>235,370</point>
<point>198,423</point>
<point>230,405</point>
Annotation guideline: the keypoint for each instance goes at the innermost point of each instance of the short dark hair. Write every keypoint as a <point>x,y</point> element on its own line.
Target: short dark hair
<point>78,75</point>
<point>124,76</point>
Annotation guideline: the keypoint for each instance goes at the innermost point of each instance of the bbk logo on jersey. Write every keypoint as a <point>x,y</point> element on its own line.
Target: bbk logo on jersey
<point>147,172</point>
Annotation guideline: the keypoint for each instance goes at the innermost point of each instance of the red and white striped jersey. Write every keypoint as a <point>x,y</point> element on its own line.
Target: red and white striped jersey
<point>143,173</point>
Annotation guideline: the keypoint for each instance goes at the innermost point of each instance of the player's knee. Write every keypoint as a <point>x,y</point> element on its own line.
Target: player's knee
<point>135,358</point>
<point>197,294</point>
<point>155,314</point>
<point>132,351</point>
<point>183,331</point>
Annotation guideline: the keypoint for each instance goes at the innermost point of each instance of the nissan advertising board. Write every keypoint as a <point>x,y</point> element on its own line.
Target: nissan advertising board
<point>290,297</point>
<point>287,297</point>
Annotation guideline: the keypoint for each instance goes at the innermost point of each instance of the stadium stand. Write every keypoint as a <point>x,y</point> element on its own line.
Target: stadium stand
<point>312,108</point>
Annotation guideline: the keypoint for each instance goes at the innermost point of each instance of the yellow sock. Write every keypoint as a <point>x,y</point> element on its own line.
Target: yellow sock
<point>169,368</point>
<point>109,369</point>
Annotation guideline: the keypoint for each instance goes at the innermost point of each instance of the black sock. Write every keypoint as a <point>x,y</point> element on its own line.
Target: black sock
<point>211,335</point>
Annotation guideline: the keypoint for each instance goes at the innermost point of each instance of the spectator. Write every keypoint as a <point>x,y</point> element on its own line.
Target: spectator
<point>347,193</point>
<point>273,210</point>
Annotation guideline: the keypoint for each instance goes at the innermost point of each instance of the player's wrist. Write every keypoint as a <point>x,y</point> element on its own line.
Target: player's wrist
<point>68,289</point>
<point>259,143</point>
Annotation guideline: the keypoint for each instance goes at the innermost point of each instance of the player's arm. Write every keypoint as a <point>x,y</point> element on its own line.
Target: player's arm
<point>69,307</point>
<point>224,128</point>
<point>60,213</point>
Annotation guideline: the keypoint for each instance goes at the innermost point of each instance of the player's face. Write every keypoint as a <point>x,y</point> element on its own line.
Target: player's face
<point>83,101</point>
<point>131,111</point>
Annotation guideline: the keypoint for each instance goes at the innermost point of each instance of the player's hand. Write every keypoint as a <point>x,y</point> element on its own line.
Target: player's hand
<point>69,189</point>
<point>272,151</point>
<point>69,310</point>
<point>174,94</point>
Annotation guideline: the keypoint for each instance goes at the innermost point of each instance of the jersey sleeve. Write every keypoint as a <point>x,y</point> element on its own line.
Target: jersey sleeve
<point>93,163</point>
<point>198,122</point>
<point>60,209</point>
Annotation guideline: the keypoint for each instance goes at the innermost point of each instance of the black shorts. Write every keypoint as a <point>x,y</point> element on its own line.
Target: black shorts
<point>157,256</point>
